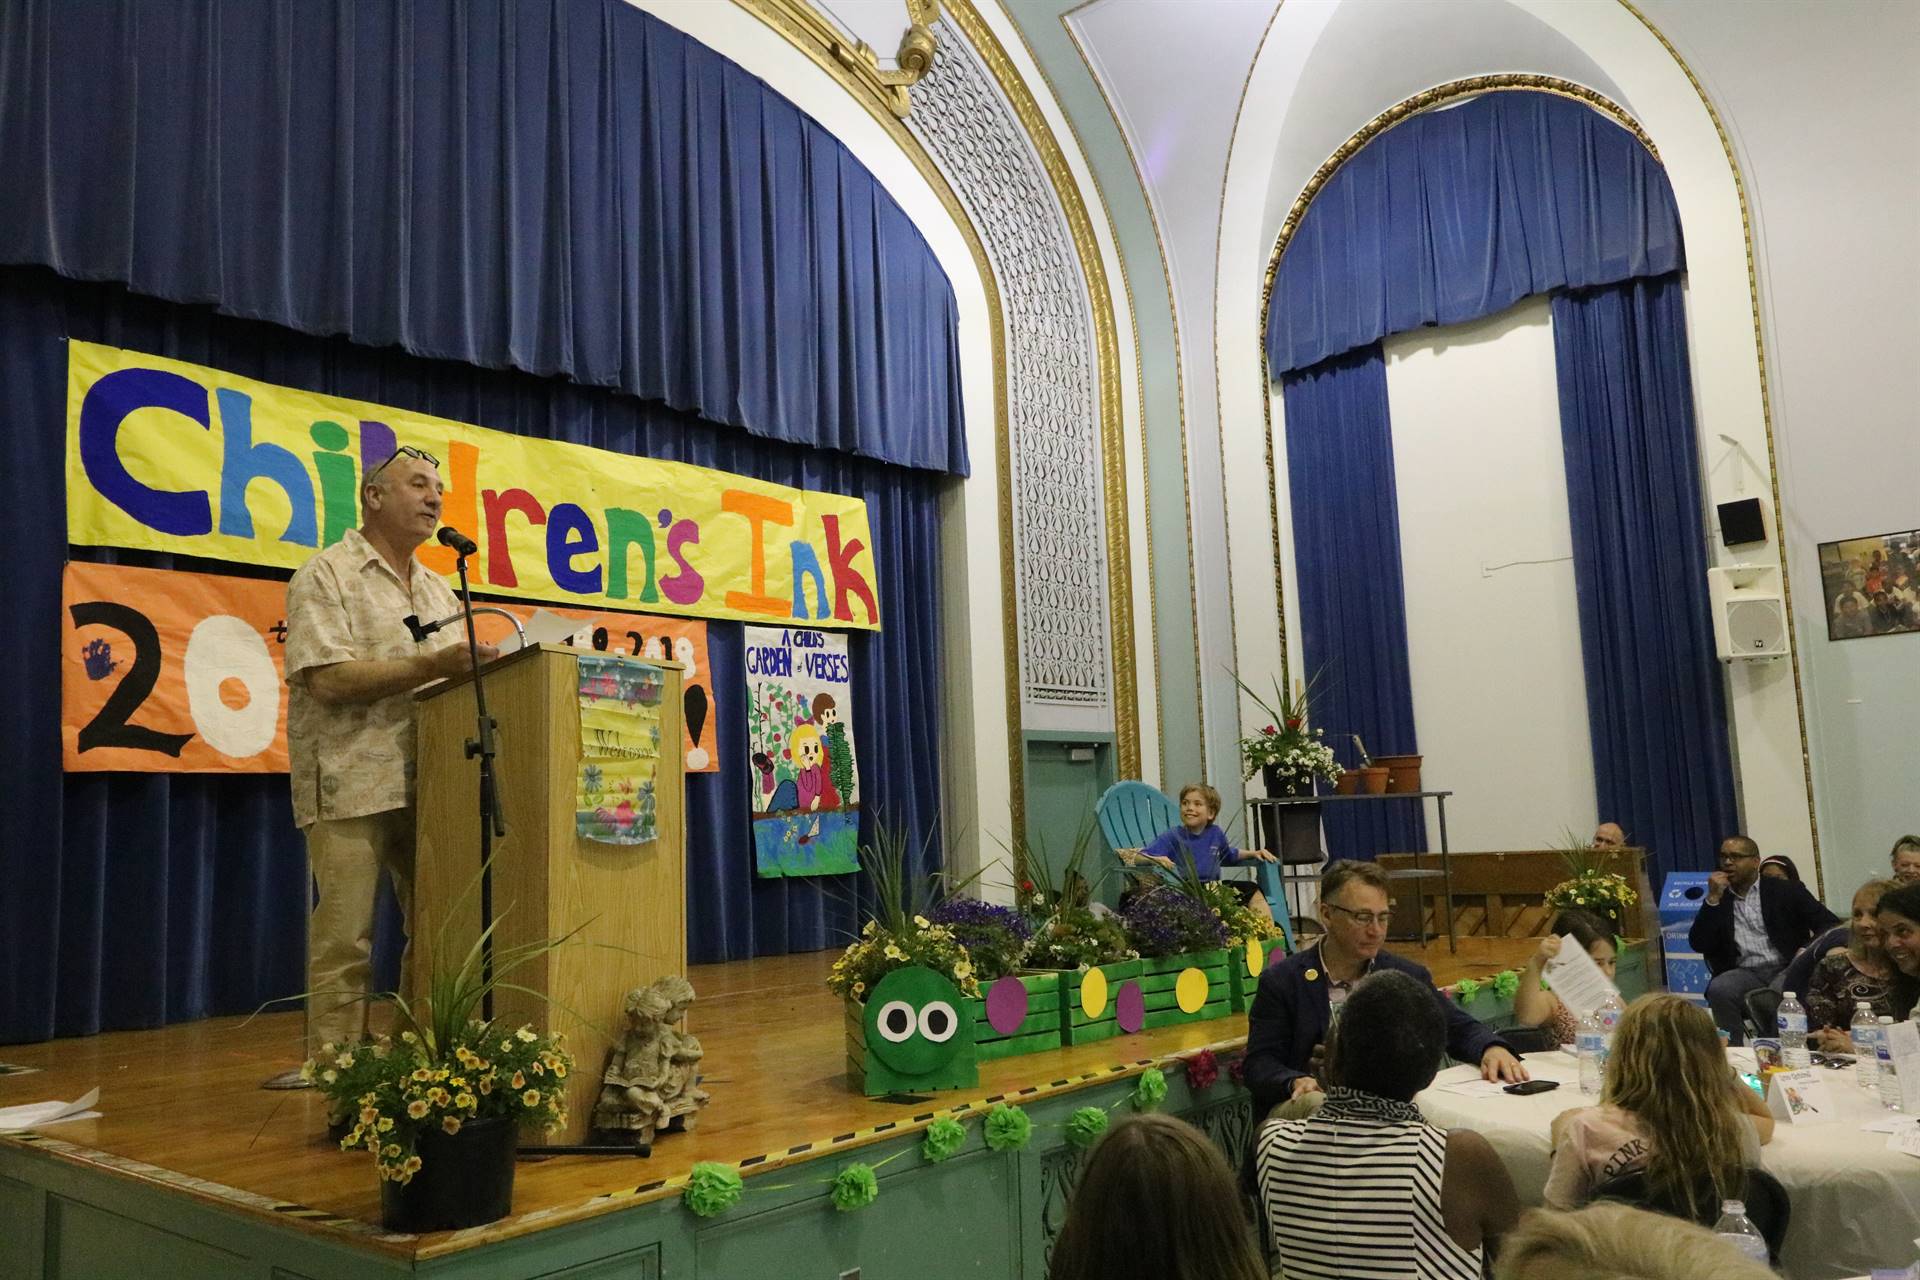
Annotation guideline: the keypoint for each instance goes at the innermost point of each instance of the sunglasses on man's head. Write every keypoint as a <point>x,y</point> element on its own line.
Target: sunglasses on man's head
<point>404,451</point>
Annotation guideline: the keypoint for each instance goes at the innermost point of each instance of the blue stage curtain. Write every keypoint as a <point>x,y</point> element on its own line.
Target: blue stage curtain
<point>570,188</point>
<point>131,900</point>
<point>1655,702</point>
<point>1353,615</point>
<point>1456,214</point>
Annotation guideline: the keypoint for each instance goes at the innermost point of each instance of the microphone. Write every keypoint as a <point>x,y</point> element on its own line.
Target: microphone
<point>421,630</point>
<point>462,545</point>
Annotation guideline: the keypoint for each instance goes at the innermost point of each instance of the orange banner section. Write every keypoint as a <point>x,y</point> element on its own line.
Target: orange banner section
<point>163,671</point>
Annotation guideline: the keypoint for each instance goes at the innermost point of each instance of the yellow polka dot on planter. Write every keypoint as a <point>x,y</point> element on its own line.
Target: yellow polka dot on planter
<point>1093,993</point>
<point>1190,990</point>
<point>1256,954</point>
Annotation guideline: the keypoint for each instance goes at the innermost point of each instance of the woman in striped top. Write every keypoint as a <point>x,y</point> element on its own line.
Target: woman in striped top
<point>1365,1189</point>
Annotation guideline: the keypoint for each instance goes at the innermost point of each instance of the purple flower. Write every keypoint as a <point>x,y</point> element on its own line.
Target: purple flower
<point>1166,922</point>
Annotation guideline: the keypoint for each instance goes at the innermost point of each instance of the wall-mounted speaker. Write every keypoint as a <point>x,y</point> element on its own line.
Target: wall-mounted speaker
<point>1741,523</point>
<point>1749,614</point>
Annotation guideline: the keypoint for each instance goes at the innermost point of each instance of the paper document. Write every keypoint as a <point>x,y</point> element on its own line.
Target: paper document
<point>1577,980</point>
<point>545,627</point>
<point>1892,1124</point>
<point>32,1115</point>
<point>1907,1142</point>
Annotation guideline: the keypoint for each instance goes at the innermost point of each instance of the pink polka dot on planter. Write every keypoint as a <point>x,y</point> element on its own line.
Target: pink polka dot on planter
<point>1130,1010</point>
<point>1006,1005</point>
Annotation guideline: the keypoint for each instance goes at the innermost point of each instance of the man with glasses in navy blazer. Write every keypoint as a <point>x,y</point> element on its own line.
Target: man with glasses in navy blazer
<point>1300,998</point>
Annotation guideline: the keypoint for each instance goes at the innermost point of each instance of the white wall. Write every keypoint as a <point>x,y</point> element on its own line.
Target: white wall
<point>1499,695</point>
<point>1819,100</point>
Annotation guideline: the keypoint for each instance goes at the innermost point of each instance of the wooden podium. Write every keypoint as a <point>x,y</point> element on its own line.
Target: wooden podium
<point>546,879</point>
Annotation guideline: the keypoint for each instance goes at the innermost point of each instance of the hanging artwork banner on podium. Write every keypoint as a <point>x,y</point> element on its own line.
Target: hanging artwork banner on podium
<point>805,777</point>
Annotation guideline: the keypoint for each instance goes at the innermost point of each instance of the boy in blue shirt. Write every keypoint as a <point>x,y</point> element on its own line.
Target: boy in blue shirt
<point>1199,841</point>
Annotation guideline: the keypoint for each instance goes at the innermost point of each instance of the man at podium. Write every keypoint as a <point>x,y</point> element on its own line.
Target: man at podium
<point>351,664</point>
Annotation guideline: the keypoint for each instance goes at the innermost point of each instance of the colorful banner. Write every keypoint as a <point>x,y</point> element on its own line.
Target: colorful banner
<point>167,671</point>
<point>806,818</point>
<point>168,456</point>
<point>614,800</point>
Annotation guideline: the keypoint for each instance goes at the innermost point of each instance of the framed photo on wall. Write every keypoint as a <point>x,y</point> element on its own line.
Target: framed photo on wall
<point>1872,585</point>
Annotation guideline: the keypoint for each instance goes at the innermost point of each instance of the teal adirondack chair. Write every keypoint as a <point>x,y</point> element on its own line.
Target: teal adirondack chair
<point>1131,814</point>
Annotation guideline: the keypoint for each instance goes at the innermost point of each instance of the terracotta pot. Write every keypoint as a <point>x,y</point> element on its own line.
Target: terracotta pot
<point>1348,783</point>
<point>1404,772</point>
<point>1373,779</point>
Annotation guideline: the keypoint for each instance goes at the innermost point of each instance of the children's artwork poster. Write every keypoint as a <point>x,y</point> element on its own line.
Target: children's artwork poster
<point>619,749</point>
<point>166,671</point>
<point>806,800</point>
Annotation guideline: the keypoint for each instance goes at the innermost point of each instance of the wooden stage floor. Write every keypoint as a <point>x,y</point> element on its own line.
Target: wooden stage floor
<point>186,1099</point>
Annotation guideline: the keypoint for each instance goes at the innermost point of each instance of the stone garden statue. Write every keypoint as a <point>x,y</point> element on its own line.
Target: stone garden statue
<point>649,1084</point>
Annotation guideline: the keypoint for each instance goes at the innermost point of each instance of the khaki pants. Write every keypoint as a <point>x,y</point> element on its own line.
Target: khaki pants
<point>347,856</point>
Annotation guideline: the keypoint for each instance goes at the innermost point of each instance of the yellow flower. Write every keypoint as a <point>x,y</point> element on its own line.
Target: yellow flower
<point>526,1035</point>
<point>531,1097</point>
<point>451,1124</point>
<point>368,1115</point>
<point>391,1151</point>
<point>344,1061</point>
<point>466,1101</point>
<point>895,953</point>
<point>409,1037</point>
<point>329,1076</point>
<point>423,1075</point>
<point>439,1097</point>
<point>416,1109</point>
<point>923,922</point>
<point>560,1070</point>
<point>486,1084</point>
<point>411,1167</point>
<point>385,1125</point>
<point>537,1068</point>
<point>962,969</point>
<point>519,1080</point>
<point>306,1072</point>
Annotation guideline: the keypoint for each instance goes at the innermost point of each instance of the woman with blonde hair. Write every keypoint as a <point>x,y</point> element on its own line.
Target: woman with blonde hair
<point>1615,1242</point>
<point>1670,1106</point>
<point>1156,1202</point>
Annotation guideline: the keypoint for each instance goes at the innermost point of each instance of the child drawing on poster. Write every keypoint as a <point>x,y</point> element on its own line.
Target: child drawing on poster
<point>804,778</point>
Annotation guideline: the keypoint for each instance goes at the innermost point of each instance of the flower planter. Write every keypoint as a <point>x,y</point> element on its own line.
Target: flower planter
<point>1403,773</point>
<point>465,1179</point>
<point>1374,779</point>
<point>1246,961</point>
<point>877,1067</point>
<point>1174,997</point>
<point>1040,1030</point>
<point>1077,1025</point>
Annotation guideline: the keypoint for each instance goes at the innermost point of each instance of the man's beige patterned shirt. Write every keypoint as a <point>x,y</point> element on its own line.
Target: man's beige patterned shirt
<point>352,759</point>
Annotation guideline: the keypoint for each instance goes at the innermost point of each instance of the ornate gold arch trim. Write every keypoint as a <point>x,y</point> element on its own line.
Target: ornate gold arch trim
<point>801,26</point>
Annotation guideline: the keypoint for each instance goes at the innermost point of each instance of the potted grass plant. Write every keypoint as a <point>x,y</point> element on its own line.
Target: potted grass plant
<point>1590,887</point>
<point>440,1103</point>
<point>1085,948</point>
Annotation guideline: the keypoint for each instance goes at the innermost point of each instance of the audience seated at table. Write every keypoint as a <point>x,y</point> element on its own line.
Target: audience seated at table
<point>1616,1242</point>
<point>1798,975</point>
<point>1365,1186</point>
<point>1298,998</point>
<point>1748,928</point>
<point>1834,982</point>
<point>1671,1105</point>
<point>1156,1202</point>
<point>1533,1004</point>
<point>1897,919</point>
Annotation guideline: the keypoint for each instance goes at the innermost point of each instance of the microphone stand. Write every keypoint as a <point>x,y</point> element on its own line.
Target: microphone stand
<point>492,824</point>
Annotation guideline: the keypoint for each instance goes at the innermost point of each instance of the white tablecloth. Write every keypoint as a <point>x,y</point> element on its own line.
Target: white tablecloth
<point>1856,1205</point>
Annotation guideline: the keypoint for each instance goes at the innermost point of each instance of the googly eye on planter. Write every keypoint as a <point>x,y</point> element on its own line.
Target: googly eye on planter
<point>915,1037</point>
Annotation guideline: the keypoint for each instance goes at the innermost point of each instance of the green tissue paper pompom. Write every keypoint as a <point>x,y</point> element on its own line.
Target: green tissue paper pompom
<point>1008,1128</point>
<point>1151,1091</point>
<point>1505,985</point>
<point>944,1137</point>
<point>712,1189</point>
<point>1085,1126</point>
<point>1465,990</point>
<point>855,1187</point>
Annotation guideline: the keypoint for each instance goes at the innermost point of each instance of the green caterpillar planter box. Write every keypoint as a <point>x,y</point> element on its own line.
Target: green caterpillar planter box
<point>913,1034</point>
<point>1185,988</point>
<point>1090,1000</point>
<point>1246,961</point>
<point>1018,1014</point>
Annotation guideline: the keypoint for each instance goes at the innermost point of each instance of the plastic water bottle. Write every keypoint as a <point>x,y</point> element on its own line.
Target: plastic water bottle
<point>1590,1046</point>
<point>1609,1013</point>
<point>1738,1230</point>
<point>1792,1022</point>
<point>1866,1034</point>
<point>1889,1074</point>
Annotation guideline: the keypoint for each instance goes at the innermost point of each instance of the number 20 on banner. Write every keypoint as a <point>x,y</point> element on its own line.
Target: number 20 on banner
<point>172,671</point>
